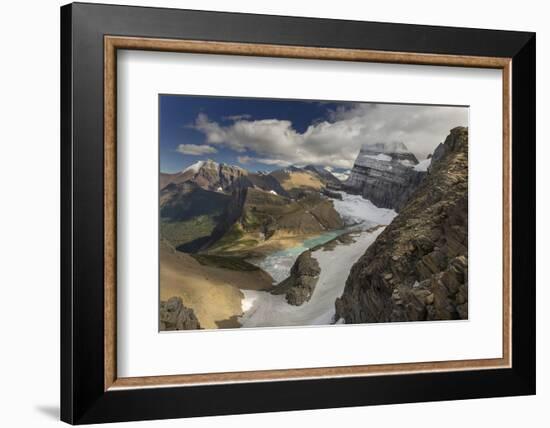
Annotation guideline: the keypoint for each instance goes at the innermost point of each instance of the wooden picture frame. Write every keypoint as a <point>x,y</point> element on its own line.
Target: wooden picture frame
<point>91,390</point>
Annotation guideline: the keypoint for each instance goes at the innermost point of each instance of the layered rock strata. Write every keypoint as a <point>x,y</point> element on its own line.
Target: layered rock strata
<point>385,174</point>
<point>417,269</point>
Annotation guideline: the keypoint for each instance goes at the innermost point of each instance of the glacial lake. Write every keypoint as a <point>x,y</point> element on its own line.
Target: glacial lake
<point>263,309</point>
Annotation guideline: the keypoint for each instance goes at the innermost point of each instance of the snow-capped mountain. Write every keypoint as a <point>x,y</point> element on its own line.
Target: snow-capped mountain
<point>207,174</point>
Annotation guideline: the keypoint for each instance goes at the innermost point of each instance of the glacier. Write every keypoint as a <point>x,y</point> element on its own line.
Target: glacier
<point>263,309</point>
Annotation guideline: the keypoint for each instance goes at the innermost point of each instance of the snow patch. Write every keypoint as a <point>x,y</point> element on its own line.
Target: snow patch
<point>273,192</point>
<point>194,168</point>
<point>354,209</point>
<point>263,309</point>
<point>380,157</point>
<point>248,302</point>
<point>423,165</point>
<point>342,176</point>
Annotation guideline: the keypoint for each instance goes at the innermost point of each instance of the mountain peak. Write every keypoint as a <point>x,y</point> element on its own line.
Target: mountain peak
<point>194,168</point>
<point>387,147</point>
<point>197,166</point>
<point>392,151</point>
<point>210,163</point>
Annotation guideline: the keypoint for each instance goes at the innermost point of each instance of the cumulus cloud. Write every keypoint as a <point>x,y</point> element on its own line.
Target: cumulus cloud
<point>277,162</point>
<point>337,140</point>
<point>244,159</point>
<point>195,149</point>
<point>266,161</point>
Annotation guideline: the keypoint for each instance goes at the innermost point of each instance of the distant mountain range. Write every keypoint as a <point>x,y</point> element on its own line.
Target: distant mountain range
<point>207,174</point>
<point>215,207</point>
<point>211,175</point>
<point>211,206</point>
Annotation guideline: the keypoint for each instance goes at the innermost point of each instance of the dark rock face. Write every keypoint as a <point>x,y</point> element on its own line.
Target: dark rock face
<point>331,193</point>
<point>385,174</point>
<point>299,286</point>
<point>259,181</point>
<point>326,176</point>
<point>215,176</point>
<point>175,316</point>
<point>439,151</point>
<point>417,269</point>
<point>186,200</point>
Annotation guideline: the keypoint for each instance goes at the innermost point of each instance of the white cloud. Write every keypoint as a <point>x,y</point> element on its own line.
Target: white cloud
<point>336,141</point>
<point>278,162</point>
<point>266,161</point>
<point>244,159</point>
<point>195,149</point>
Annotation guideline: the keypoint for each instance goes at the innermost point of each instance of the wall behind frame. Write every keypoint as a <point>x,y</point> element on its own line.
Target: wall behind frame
<point>29,220</point>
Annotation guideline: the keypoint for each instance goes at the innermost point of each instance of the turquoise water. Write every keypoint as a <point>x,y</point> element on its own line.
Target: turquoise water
<point>279,263</point>
<point>357,212</point>
<point>263,309</point>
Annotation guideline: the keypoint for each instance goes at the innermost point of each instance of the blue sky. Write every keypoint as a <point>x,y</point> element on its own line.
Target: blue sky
<point>266,134</point>
<point>178,114</point>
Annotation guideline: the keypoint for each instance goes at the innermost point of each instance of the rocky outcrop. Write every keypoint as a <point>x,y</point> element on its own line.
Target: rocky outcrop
<point>331,193</point>
<point>260,181</point>
<point>384,173</point>
<point>174,315</point>
<point>417,269</point>
<point>215,176</point>
<point>299,286</point>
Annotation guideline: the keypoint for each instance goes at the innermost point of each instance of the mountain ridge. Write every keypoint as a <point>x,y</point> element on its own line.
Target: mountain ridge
<point>417,269</point>
<point>239,210</point>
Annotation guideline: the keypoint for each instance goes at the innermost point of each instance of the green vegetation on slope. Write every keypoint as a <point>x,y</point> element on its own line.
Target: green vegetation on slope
<point>225,262</point>
<point>181,232</point>
<point>235,239</point>
<point>260,216</point>
<point>187,200</point>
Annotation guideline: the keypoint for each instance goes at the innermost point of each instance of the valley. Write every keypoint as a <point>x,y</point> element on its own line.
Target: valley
<point>244,249</point>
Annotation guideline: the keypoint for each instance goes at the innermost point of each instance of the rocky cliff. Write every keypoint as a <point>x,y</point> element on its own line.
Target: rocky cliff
<point>175,316</point>
<point>417,269</point>
<point>299,286</point>
<point>385,174</point>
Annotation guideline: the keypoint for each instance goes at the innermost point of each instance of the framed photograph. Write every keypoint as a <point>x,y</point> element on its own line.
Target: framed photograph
<point>273,213</point>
